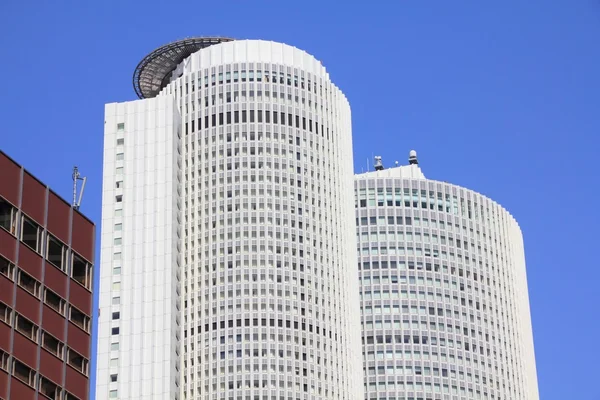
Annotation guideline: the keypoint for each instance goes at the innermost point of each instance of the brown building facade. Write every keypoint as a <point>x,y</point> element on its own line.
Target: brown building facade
<point>46,257</point>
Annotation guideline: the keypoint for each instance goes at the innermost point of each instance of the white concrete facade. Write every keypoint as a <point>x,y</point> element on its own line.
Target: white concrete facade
<point>139,323</point>
<point>444,300</point>
<point>261,199</point>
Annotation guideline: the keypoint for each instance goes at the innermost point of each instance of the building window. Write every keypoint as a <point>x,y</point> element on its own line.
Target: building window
<point>77,361</point>
<point>120,142</point>
<point>26,327</point>
<point>49,389</point>
<point>112,394</point>
<point>114,331</point>
<point>4,360</point>
<point>31,234</point>
<point>116,315</point>
<point>117,271</point>
<point>80,319</point>
<point>54,301</point>
<point>56,252</point>
<point>5,313</point>
<point>81,271</point>
<point>120,156</point>
<point>29,283</point>
<point>113,377</point>
<point>116,300</point>
<point>69,396</point>
<point>7,268</point>
<point>53,345</point>
<point>114,362</point>
<point>23,373</point>
<point>118,241</point>
<point>114,346</point>
<point>8,216</point>
<point>119,198</point>
<point>120,126</point>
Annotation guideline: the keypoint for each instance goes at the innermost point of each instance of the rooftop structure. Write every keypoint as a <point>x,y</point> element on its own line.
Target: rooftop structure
<point>152,73</point>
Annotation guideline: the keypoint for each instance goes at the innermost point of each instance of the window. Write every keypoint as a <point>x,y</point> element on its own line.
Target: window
<point>118,241</point>
<point>120,142</point>
<point>120,156</point>
<point>52,344</point>
<point>112,394</point>
<point>56,252</point>
<point>31,234</point>
<point>117,271</point>
<point>77,361</point>
<point>114,331</point>
<point>81,271</point>
<point>119,171</point>
<point>119,198</point>
<point>5,313</point>
<point>113,377</point>
<point>7,268</point>
<point>114,346</point>
<point>29,283</point>
<point>80,319</point>
<point>120,126</point>
<point>49,389</point>
<point>69,396</point>
<point>118,227</point>
<point>116,300</point>
<point>119,184</point>
<point>23,373</point>
<point>54,301</point>
<point>26,327</point>
<point>8,216</point>
<point>116,315</point>
<point>4,360</point>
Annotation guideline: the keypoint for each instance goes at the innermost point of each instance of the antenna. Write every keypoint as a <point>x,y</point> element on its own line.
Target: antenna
<point>77,177</point>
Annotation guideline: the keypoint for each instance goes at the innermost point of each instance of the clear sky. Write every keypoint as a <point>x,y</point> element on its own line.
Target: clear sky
<point>501,97</point>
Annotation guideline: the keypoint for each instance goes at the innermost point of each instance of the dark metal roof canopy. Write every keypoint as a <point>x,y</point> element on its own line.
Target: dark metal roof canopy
<point>152,73</point>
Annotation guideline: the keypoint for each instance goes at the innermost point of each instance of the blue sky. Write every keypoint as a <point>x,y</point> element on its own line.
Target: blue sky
<point>500,97</point>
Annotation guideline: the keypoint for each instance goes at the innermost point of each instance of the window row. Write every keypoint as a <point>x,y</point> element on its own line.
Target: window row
<point>55,302</point>
<point>28,375</point>
<point>56,252</point>
<point>252,75</point>
<point>259,116</point>
<point>425,199</point>
<point>47,341</point>
<point>256,322</point>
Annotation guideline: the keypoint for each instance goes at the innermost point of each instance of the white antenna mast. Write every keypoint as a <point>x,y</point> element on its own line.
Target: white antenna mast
<point>77,177</point>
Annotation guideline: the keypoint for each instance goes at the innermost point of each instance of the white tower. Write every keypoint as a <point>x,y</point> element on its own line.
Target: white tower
<point>228,262</point>
<point>445,309</point>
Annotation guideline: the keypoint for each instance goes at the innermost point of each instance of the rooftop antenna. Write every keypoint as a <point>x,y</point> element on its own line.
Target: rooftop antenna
<point>77,177</point>
<point>412,158</point>
<point>378,163</point>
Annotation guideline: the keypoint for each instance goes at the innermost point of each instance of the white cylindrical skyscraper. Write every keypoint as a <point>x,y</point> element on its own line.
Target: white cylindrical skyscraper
<point>228,212</point>
<point>444,301</point>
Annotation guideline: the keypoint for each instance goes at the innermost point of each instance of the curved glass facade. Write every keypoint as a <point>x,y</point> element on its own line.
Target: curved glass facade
<point>445,312</point>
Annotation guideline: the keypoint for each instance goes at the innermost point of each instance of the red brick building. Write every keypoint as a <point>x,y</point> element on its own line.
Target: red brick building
<point>46,256</point>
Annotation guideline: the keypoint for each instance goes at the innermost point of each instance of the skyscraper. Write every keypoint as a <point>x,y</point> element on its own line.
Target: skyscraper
<point>444,302</point>
<point>228,250</point>
<point>46,255</point>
